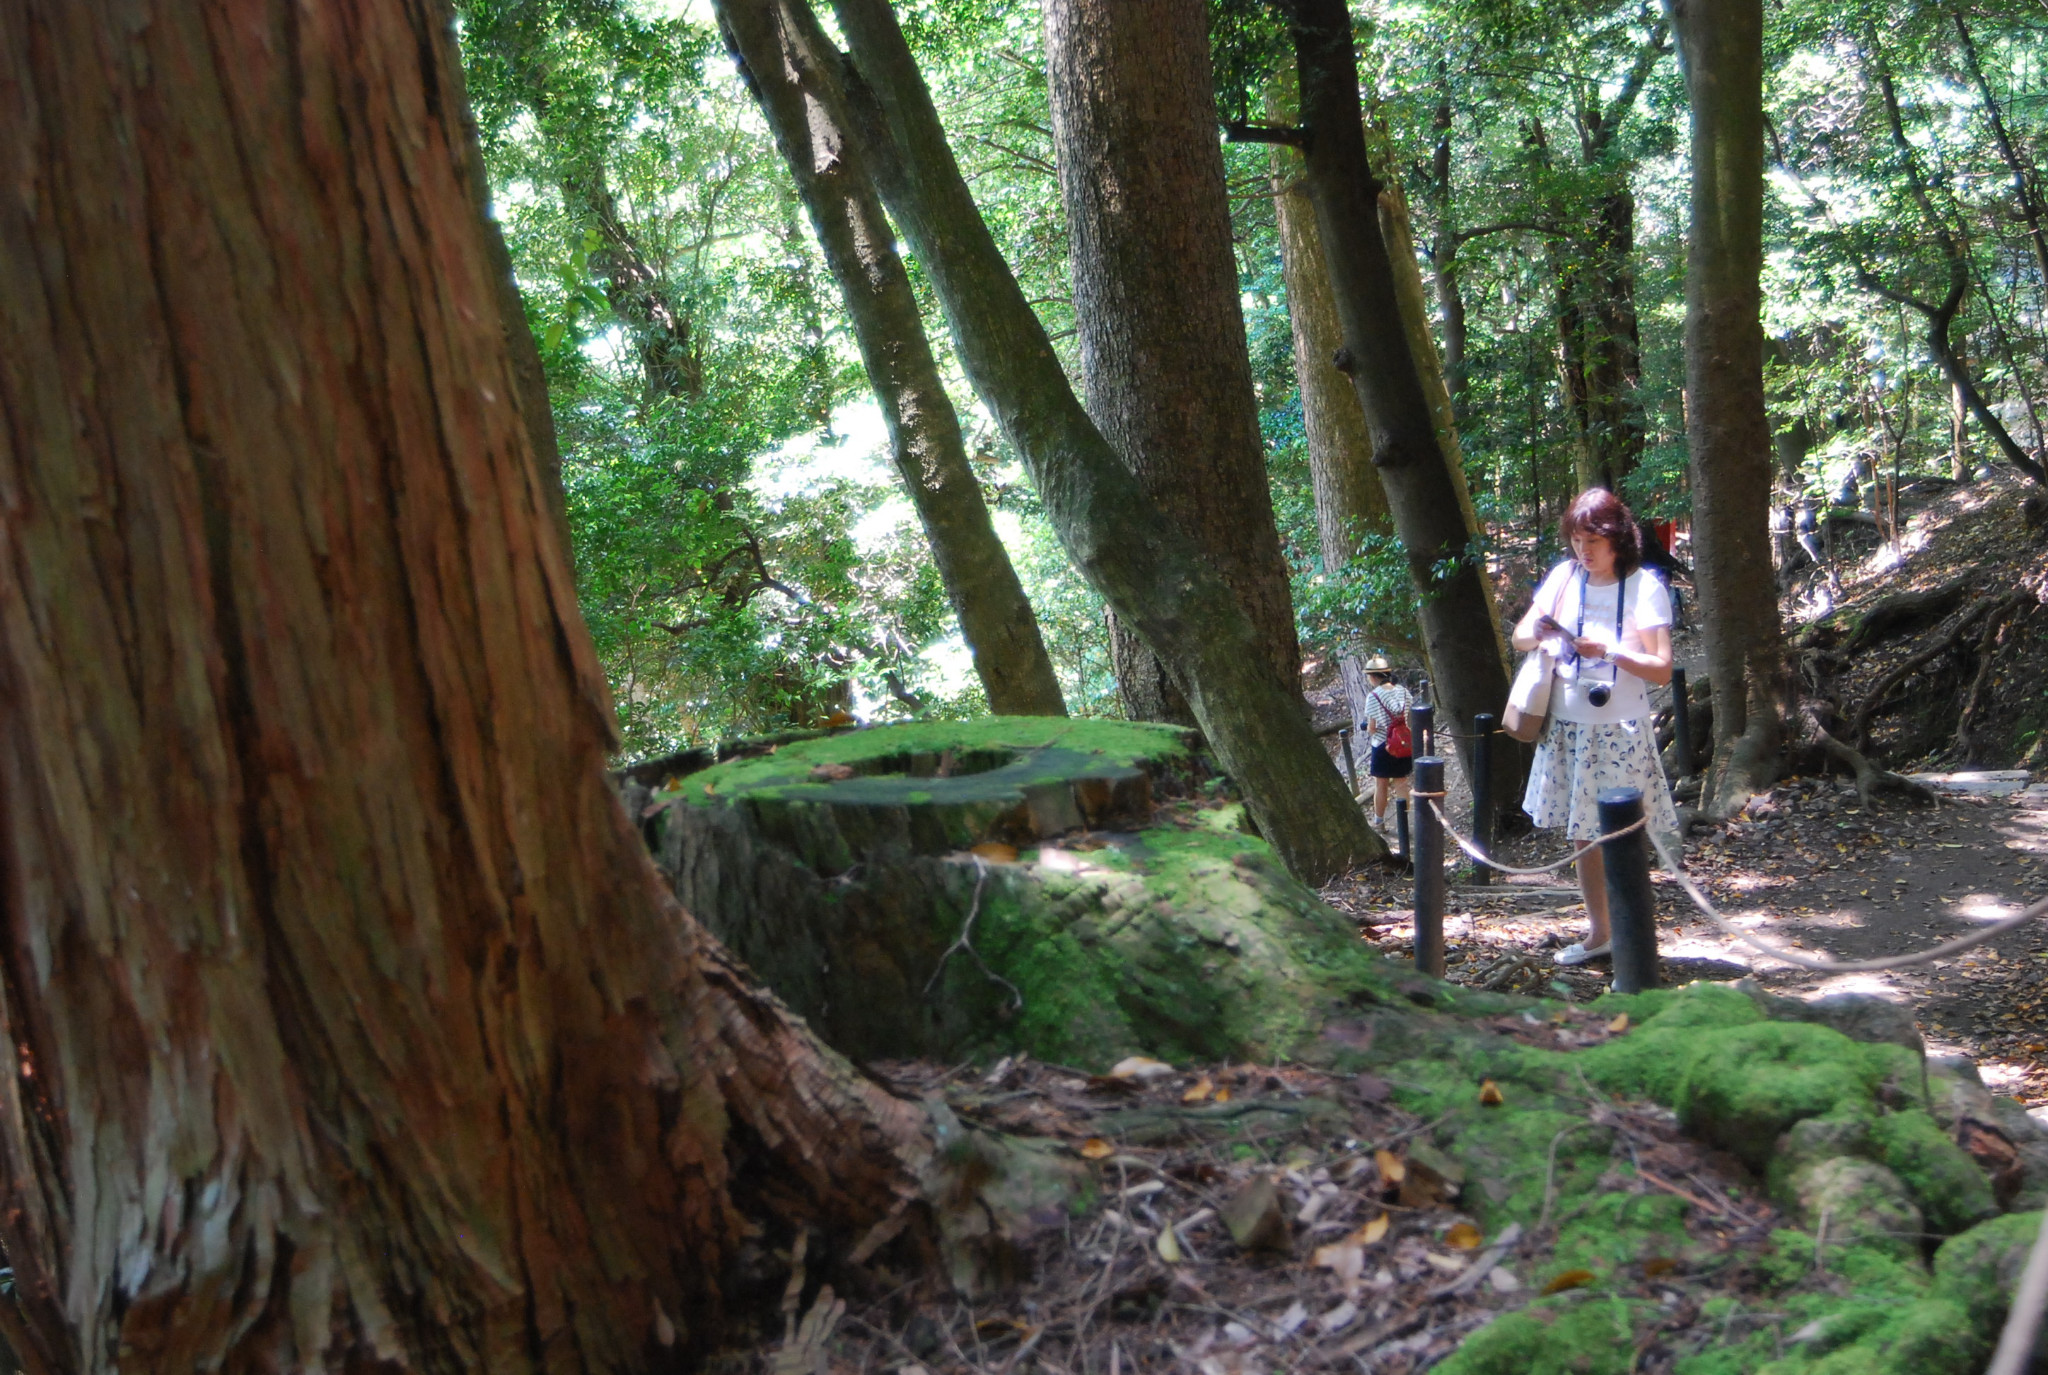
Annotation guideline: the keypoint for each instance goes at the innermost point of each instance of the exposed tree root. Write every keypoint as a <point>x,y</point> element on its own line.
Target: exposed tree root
<point>1998,607</point>
<point>1987,654</point>
<point>1870,779</point>
<point>1893,614</point>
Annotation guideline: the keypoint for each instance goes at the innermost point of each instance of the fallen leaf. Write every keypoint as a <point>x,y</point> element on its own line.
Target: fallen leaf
<point>1338,1318</point>
<point>1095,1148</point>
<point>1341,1258</point>
<point>1463,1236</point>
<point>1168,1246</point>
<point>1618,1025</point>
<point>1391,1168</point>
<point>831,773</point>
<point>710,788</point>
<point>1568,1279</point>
<point>1503,1280</point>
<point>1140,1067</point>
<point>1199,1091</point>
<point>1372,1231</point>
<point>995,852</point>
<point>1489,1095</point>
<point>1659,1265</point>
<point>1223,1095</point>
<point>1450,1265</point>
<point>1254,1218</point>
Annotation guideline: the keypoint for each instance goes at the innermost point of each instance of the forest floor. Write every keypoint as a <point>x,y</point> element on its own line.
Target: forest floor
<point>1250,1219</point>
<point>1808,866</point>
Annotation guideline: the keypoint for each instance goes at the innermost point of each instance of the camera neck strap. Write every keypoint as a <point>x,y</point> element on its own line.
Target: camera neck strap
<point>1620,605</point>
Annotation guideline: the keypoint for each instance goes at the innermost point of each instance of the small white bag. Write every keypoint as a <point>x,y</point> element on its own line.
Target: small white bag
<point>1528,708</point>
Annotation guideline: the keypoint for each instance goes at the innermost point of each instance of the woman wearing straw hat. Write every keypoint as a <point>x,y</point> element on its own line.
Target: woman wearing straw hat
<point>1390,754</point>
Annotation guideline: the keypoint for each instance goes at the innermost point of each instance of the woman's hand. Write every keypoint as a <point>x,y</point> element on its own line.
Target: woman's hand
<point>1651,663</point>
<point>1590,648</point>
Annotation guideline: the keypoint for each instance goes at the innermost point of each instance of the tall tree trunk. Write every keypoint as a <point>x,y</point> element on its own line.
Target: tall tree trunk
<point>1443,251</point>
<point>355,1029</point>
<point>804,108</point>
<point>2024,191</point>
<point>1164,362</point>
<point>1110,528</point>
<point>1720,43</point>
<point>1423,490</point>
<point>1350,502</point>
<point>1614,368</point>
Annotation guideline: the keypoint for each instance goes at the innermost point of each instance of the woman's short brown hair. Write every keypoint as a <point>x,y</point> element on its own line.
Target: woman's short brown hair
<point>1600,512</point>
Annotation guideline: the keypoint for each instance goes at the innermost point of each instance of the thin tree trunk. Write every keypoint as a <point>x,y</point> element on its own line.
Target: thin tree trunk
<point>2022,183</point>
<point>356,1031</point>
<point>1156,300</point>
<point>1721,44</point>
<point>804,108</point>
<point>1615,353</point>
<point>1111,529</point>
<point>1459,631</point>
<point>1443,253</point>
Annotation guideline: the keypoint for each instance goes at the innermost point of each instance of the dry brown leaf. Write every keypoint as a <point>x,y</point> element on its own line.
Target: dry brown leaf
<point>1568,1279</point>
<point>1223,1095</point>
<point>1490,1095</point>
<point>1618,1025</point>
<point>1371,1231</point>
<point>995,852</point>
<point>1659,1265</point>
<point>1199,1091</point>
<point>1095,1148</point>
<point>1463,1236</point>
<point>710,788</point>
<point>1391,1168</point>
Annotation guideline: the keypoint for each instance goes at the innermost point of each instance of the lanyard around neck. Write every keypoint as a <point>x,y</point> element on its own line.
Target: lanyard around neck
<point>1620,602</point>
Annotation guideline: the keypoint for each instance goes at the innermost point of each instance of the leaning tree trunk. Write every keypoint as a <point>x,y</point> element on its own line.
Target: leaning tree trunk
<point>1350,502</point>
<point>810,124</point>
<point>1110,528</point>
<point>355,1030</point>
<point>1164,362</point>
<point>1721,45</point>
<point>1444,561</point>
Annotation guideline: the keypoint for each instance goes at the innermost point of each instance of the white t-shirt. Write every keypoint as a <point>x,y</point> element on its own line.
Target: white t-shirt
<point>1649,606</point>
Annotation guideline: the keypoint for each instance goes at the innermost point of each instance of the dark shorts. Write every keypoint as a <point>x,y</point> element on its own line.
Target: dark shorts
<point>1384,765</point>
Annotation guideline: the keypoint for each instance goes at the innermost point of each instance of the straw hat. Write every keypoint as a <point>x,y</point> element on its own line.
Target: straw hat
<point>1378,664</point>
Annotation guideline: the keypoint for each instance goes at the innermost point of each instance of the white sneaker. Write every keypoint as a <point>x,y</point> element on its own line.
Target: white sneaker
<point>1577,953</point>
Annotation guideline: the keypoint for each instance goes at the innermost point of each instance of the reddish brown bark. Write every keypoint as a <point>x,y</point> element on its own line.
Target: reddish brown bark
<point>354,1029</point>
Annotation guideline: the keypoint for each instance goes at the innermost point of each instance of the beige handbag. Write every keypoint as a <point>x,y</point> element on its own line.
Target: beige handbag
<point>1528,707</point>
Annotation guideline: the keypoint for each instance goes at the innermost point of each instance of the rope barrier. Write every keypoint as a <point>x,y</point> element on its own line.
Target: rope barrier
<point>1706,906</point>
<point>1574,857</point>
<point>1828,966</point>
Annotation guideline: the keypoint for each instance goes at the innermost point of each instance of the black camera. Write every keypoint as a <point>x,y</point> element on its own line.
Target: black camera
<point>1599,693</point>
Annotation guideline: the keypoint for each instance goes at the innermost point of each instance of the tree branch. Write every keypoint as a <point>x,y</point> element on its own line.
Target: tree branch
<point>1235,132</point>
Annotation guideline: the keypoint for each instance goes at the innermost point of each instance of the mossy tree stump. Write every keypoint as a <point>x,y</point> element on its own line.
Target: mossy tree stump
<point>1104,913</point>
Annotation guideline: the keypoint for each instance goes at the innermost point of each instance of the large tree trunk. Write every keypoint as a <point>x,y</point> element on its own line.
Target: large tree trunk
<point>1163,355</point>
<point>804,108</point>
<point>1721,45</point>
<point>1614,352</point>
<point>355,1030</point>
<point>1423,490</point>
<point>1350,502</point>
<point>1110,528</point>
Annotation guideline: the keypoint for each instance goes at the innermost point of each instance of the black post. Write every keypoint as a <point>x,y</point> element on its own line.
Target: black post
<point>1631,906</point>
<point>1483,726</point>
<point>1681,722</point>
<point>1422,727</point>
<point>1429,868</point>
<point>1350,768</point>
<point>1401,825</point>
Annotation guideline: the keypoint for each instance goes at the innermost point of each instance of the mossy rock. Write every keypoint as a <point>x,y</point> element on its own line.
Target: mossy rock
<point>1170,936</point>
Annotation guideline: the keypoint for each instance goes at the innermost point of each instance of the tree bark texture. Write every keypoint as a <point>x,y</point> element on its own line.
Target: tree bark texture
<point>353,1029</point>
<point>1423,491</point>
<point>1164,361</point>
<point>801,97</point>
<point>1350,502</point>
<point>1114,533</point>
<point>1721,45</point>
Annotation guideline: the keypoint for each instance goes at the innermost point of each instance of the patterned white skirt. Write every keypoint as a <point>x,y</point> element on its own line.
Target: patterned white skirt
<point>1576,761</point>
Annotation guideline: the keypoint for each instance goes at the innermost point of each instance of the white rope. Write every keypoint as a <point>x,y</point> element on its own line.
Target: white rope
<point>1472,849</point>
<point>1706,905</point>
<point>1827,966</point>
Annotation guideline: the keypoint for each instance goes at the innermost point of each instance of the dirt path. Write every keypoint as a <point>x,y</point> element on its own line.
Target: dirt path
<point>1811,869</point>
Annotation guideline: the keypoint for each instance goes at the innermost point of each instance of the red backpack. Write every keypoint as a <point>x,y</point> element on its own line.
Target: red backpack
<point>1400,744</point>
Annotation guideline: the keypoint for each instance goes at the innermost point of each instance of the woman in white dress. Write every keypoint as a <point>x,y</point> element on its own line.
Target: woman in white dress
<point>1614,619</point>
